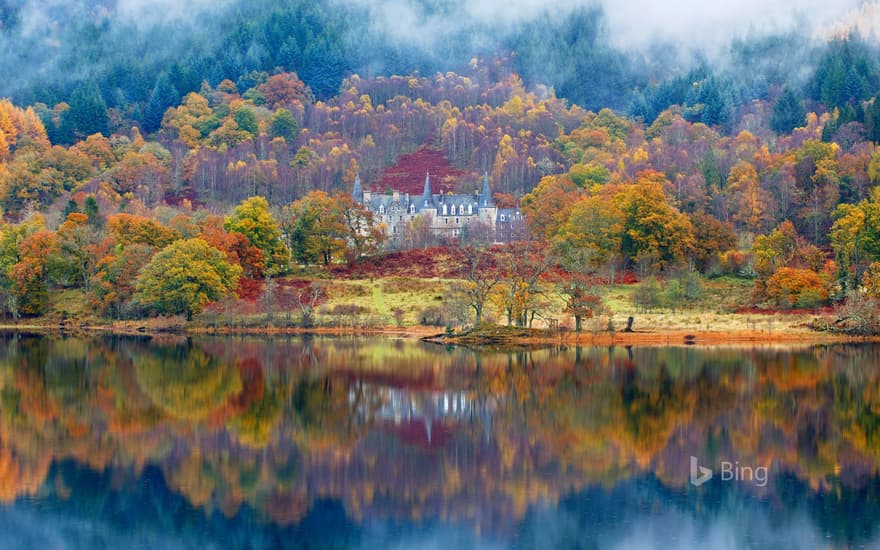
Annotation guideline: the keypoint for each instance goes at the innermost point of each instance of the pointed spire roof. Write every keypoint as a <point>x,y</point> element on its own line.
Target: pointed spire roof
<point>358,191</point>
<point>427,196</point>
<point>486,199</point>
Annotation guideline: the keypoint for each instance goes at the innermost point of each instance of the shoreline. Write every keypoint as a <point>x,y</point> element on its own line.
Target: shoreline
<point>659,337</point>
<point>668,338</point>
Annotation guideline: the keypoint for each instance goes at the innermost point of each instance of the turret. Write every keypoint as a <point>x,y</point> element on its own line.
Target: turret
<point>486,198</point>
<point>427,196</point>
<point>357,193</point>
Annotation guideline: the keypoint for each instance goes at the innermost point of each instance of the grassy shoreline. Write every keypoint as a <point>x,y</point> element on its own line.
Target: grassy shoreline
<point>786,329</point>
<point>395,306</point>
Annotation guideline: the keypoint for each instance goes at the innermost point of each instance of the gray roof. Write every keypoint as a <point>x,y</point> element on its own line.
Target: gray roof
<point>428,200</point>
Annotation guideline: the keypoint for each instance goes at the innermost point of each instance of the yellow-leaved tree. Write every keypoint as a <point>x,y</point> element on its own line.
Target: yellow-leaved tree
<point>184,277</point>
<point>252,219</point>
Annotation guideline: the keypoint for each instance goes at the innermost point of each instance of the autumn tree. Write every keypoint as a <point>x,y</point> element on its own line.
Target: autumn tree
<point>518,294</point>
<point>306,299</point>
<point>316,228</point>
<point>481,276</point>
<point>655,234</point>
<point>78,250</point>
<point>29,275</point>
<point>855,236</point>
<point>11,239</point>
<point>750,202</point>
<point>712,238</point>
<point>778,249</point>
<point>577,287</point>
<point>547,207</point>
<point>792,287</point>
<point>126,229</point>
<point>818,179</point>
<point>284,90</point>
<point>252,219</point>
<point>237,247</point>
<point>184,277</point>
<point>363,236</point>
<point>25,180</point>
<point>113,285</point>
<point>592,236</point>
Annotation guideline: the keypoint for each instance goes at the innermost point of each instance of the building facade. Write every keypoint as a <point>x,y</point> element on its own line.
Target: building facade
<point>447,217</point>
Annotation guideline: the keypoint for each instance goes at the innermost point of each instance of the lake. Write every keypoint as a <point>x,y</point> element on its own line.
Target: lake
<point>311,442</point>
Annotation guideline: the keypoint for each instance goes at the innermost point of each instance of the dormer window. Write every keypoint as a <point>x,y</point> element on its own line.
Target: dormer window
<point>453,209</point>
<point>502,217</point>
<point>470,209</point>
<point>444,209</point>
<point>381,208</point>
<point>412,209</point>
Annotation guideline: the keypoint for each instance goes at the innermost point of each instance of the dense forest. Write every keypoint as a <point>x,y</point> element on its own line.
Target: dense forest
<point>131,163</point>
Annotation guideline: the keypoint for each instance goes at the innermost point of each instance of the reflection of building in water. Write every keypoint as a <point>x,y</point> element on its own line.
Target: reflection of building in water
<point>428,418</point>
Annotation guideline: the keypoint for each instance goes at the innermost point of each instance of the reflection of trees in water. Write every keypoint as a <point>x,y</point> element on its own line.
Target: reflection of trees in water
<point>185,381</point>
<point>280,424</point>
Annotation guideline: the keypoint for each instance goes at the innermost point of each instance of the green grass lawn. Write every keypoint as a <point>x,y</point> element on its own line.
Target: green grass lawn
<point>380,298</point>
<point>376,301</point>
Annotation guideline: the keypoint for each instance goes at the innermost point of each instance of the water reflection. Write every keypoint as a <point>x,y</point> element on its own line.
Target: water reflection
<point>371,442</point>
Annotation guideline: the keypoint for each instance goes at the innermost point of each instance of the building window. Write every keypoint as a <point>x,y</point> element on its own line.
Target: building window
<point>412,209</point>
<point>446,221</point>
<point>456,221</point>
<point>382,209</point>
<point>444,209</point>
<point>453,209</point>
<point>470,210</point>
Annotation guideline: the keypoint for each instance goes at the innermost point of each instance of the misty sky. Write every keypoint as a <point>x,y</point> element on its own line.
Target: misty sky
<point>713,24</point>
<point>691,24</point>
<point>631,23</point>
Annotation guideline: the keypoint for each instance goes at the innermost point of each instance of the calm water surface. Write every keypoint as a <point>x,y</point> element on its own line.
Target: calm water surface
<point>380,443</point>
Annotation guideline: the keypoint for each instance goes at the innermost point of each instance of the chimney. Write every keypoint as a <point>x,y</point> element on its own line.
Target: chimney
<point>395,198</point>
<point>368,195</point>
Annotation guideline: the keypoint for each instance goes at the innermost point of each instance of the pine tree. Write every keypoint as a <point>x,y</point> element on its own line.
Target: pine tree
<point>872,119</point>
<point>788,113</point>
<point>69,209</point>
<point>164,95</point>
<point>90,209</point>
<point>87,114</point>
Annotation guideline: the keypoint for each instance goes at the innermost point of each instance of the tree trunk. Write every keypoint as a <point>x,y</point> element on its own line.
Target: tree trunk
<point>629,324</point>
<point>577,323</point>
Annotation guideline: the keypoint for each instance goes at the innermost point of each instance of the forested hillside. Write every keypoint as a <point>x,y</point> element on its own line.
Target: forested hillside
<point>129,139</point>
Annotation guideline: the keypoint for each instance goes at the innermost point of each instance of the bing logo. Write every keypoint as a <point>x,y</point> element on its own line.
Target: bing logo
<point>730,471</point>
